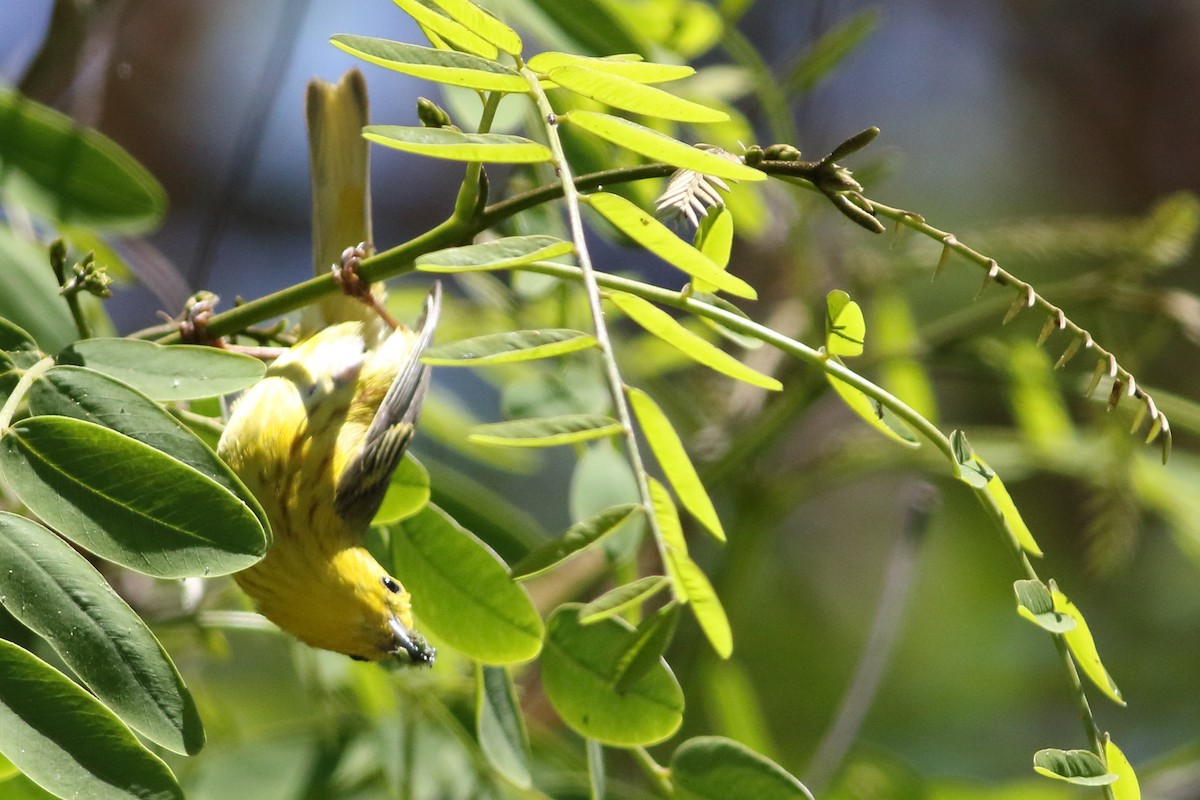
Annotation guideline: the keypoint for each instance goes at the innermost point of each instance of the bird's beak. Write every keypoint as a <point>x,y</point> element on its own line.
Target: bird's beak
<point>412,643</point>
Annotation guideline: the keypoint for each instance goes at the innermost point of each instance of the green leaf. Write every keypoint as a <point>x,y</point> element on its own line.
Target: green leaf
<point>73,175</point>
<point>665,327</point>
<point>1125,787</point>
<point>690,583</point>
<point>462,592</point>
<point>593,25</point>
<point>647,648</point>
<point>873,412</point>
<point>166,373</point>
<point>505,253</point>
<point>673,458</point>
<point>508,348</point>
<point>57,594</point>
<point>629,67</point>
<point>492,148</point>
<point>481,22</point>
<point>660,147</point>
<point>579,667</point>
<point>602,479</point>
<point>574,540</point>
<point>500,727</point>
<point>1010,517</point>
<point>715,768</point>
<point>1035,603</point>
<point>127,502</point>
<point>714,238</point>
<point>92,396</point>
<point>971,470</point>
<point>441,66</point>
<point>829,50</point>
<point>407,493</point>
<point>454,32</point>
<point>618,600</point>
<point>1080,767</point>
<point>546,431</point>
<point>628,95</point>
<point>29,296</point>
<point>15,339</point>
<point>659,240</point>
<point>67,742</point>
<point>1083,647</point>
<point>845,328</point>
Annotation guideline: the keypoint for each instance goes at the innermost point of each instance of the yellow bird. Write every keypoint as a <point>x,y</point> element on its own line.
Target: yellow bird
<point>317,441</point>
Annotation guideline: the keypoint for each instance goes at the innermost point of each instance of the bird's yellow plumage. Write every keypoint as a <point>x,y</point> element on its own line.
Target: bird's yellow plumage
<point>316,441</point>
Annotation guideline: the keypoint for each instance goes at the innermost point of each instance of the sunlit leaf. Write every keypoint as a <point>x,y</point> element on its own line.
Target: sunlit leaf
<point>622,598</point>
<point>603,479</point>
<point>546,431</point>
<point>665,327</point>
<point>67,742</point>
<point>500,726</point>
<point>647,648</point>
<point>873,412</point>
<point>450,30</point>
<point>628,95</point>
<point>971,470</point>
<point>660,147</point>
<point>462,591</point>
<point>493,148</point>
<point>165,373</point>
<point>578,669</point>
<point>1081,767</point>
<point>407,492</point>
<point>1083,647</point>
<point>662,242</point>
<point>478,20</point>
<point>633,69</point>
<point>73,175</point>
<point>127,502</point>
<point>1036,604</point>
<point>1126,786</point>
<point>845,328</point>
<point>1010,516</point>
<point>592,25</point>
<point>673,458</point>
<point>576,538</point>
<point>505,253</point>
<point>508,348</point>
<point>715,768</point>
<point>441,66</point>
<point>58,595</point>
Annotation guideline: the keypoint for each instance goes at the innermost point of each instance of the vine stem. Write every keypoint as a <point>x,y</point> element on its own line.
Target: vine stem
<point>591,287</point>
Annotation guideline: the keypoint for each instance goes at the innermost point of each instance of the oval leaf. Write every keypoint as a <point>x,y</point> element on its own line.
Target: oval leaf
<point>58,595</point>
<point>166,373</point>
<point>127,502</point>
<point>579,668</point>
<point>673,458</point>
<point>715,768</point>
<point>658,239</point>
<point>623,93</point>
<point>1035,603</point>
<point>488,27</point>
<point>94,397</point>
<point>508,348</point>
<point>462,592</point>
<point>653,637</point>
<point>64,740</point>
<point>602,478</point>
<point>448,29</point>
<point>845,327</point>
<point>546,431</point>
<point>630,67</point>
<point>574,540</point>
<point>1083,647</point>
<point>667,328</point>
<point>1081,767</point>
<point>506,253</point>
<point>625,597</point>
<point>407,493</point>
<point>500,727</point>
<point>442,66</point>
<point>660,147</point>
<point>493,148</point>
<point>73,175</point>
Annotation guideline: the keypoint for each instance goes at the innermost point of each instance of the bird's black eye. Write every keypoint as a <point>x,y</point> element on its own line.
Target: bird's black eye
<point>390,584</point>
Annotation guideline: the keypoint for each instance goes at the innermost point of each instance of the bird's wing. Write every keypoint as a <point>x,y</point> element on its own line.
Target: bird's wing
<point>363,483</point>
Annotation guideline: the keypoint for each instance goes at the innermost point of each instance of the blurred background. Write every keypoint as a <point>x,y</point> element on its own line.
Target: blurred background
<point>1016,125</point>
